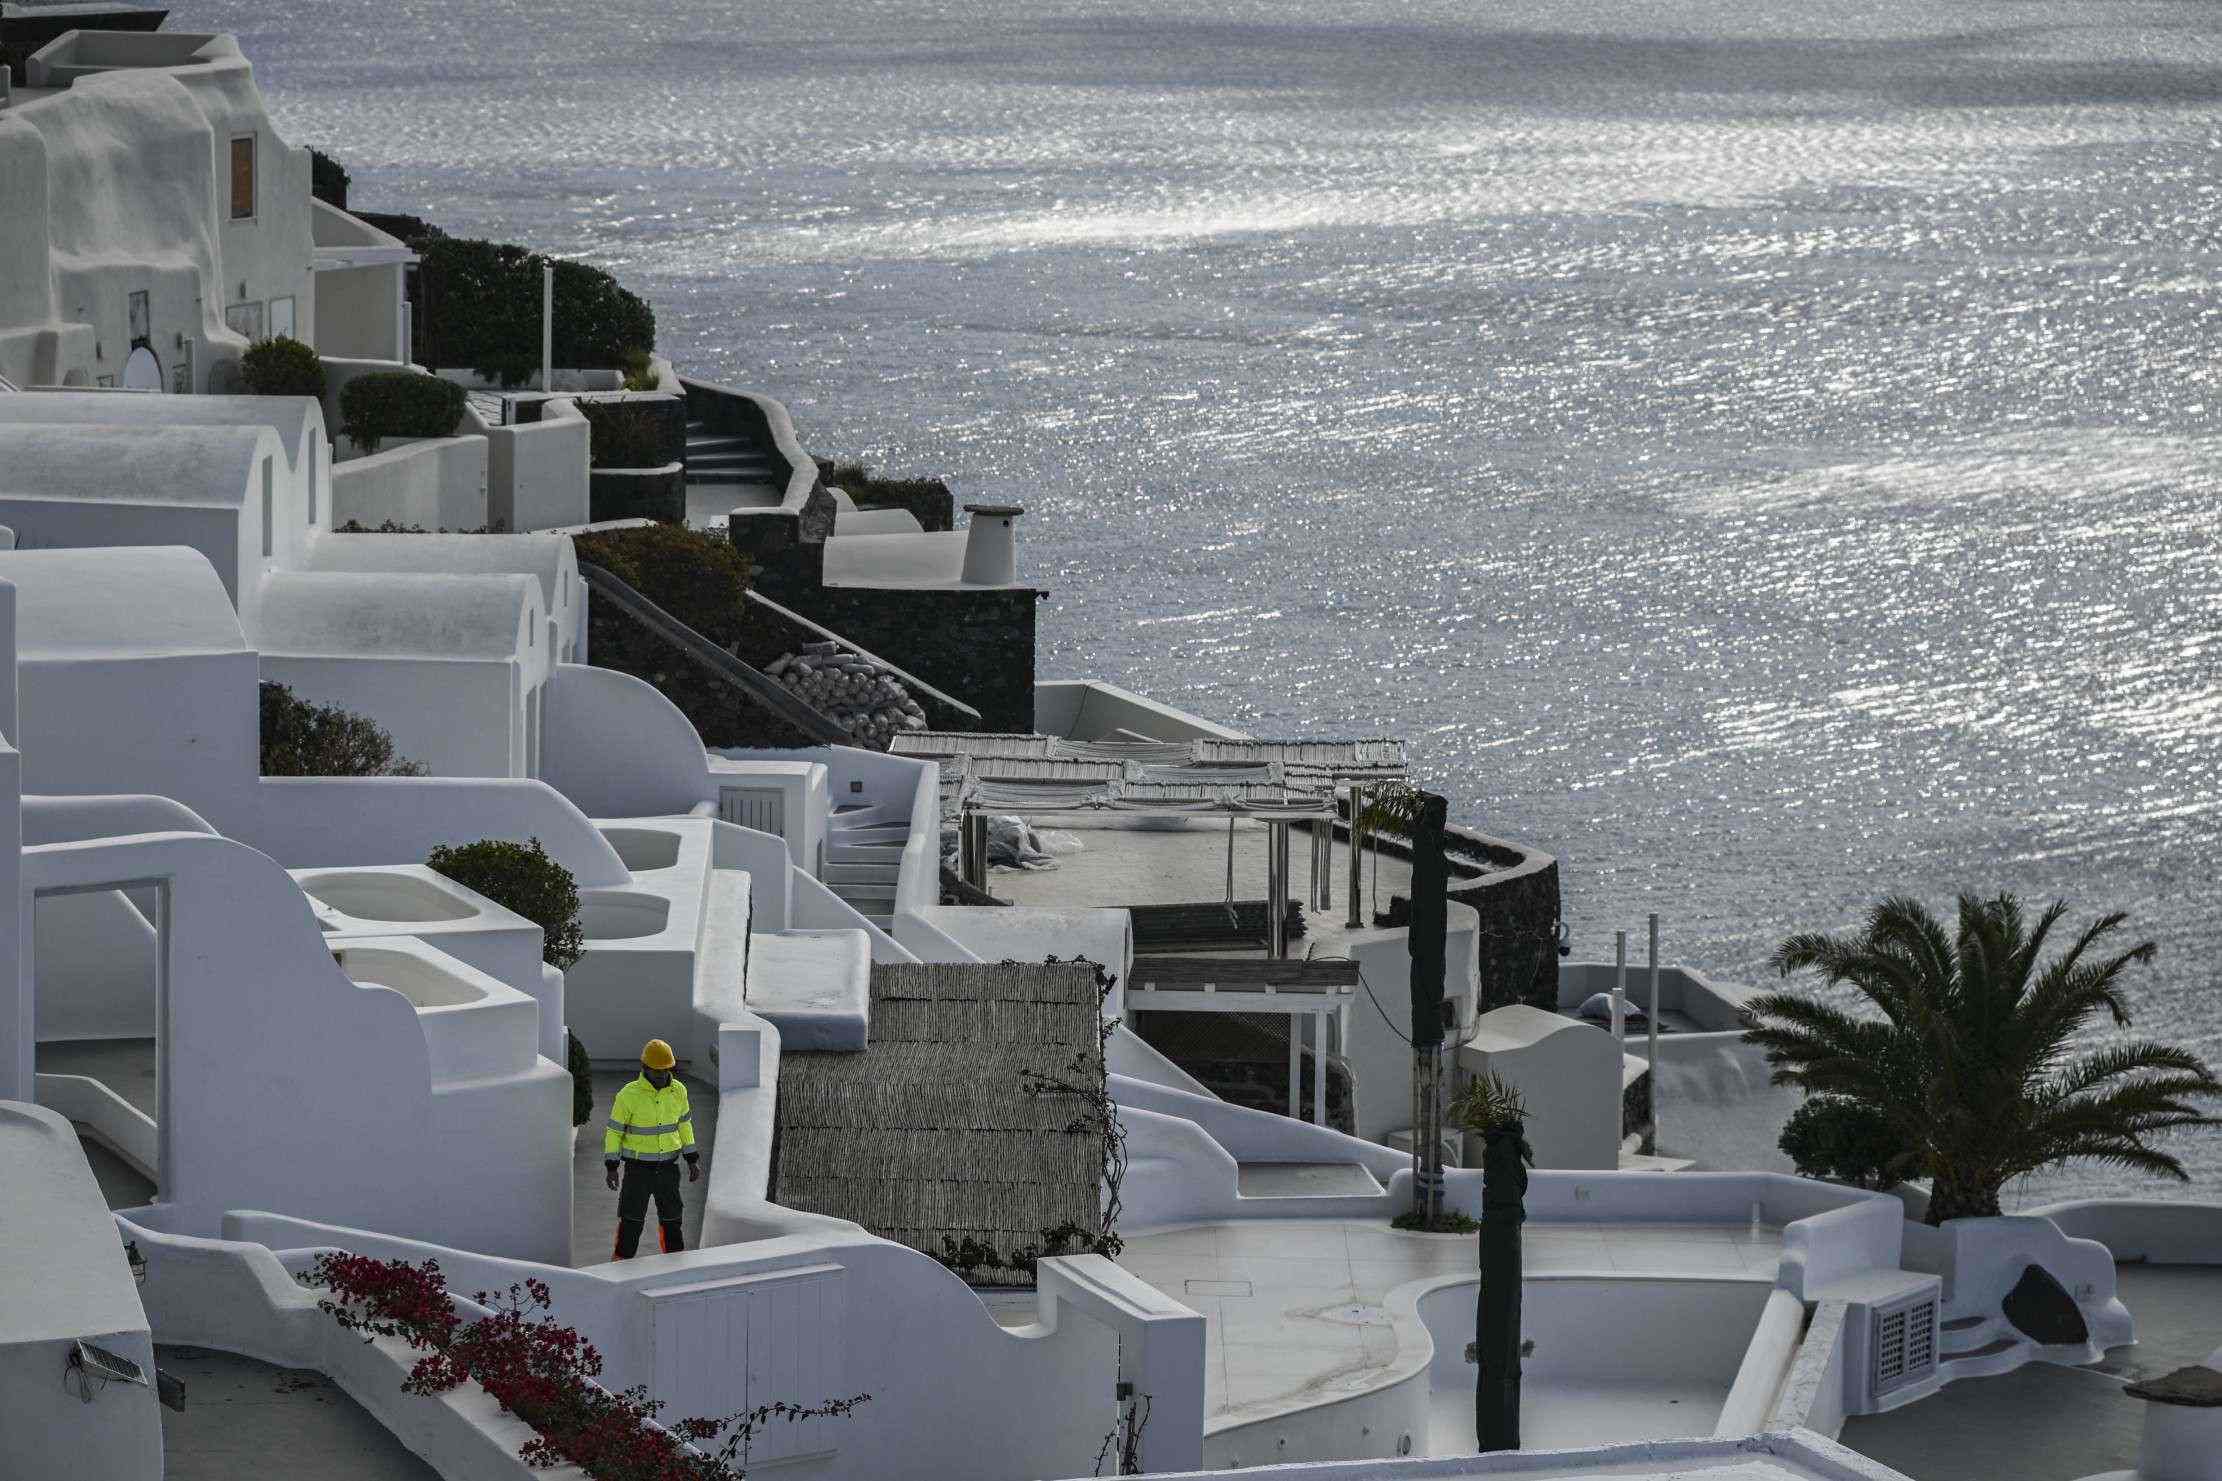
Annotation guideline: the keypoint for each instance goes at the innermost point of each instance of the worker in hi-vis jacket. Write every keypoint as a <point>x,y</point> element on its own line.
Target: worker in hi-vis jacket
<point>650,1129</point>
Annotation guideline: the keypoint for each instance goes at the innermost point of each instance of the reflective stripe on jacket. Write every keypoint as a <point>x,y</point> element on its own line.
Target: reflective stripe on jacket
<point>647,1124</point>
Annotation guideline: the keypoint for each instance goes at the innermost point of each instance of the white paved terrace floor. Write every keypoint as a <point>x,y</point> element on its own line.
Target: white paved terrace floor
<point>247,1418</point>
<point>1294,1310</point>
<point>594,1206</point>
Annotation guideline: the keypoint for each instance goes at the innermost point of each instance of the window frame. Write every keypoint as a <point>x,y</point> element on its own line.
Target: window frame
<point>254,177</point>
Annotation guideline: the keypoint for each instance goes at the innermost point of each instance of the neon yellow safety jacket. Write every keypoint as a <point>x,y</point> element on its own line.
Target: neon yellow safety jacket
<point>649,1125</point>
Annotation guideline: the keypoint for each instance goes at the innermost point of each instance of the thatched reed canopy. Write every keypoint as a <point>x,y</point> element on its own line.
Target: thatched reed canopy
<point>933,1135</point>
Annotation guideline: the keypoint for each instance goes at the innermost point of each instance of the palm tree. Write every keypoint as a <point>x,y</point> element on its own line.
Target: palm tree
<point>1971,1062</point>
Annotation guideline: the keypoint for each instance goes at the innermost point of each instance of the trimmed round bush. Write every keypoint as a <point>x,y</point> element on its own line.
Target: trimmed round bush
<point>520,877</point>
<point>1846,1141</point>
<point>304,739</point>
<point>624,436</point>
<point>398,403</point>
<point>281,367</point>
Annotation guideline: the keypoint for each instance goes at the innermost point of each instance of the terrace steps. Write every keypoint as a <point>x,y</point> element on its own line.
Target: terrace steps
<point>864,855</point>
<point>727,458</point>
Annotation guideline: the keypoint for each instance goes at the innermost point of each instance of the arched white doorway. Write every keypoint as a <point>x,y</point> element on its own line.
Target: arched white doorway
<point>142,372</point>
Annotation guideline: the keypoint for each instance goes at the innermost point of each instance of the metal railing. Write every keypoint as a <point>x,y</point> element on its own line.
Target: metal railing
<point>767,692</point>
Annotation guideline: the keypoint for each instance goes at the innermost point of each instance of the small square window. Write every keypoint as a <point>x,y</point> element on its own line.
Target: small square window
<point>243,177</point>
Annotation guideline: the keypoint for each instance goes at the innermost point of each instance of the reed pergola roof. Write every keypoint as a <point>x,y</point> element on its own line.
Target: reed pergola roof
<point>932,1135</point>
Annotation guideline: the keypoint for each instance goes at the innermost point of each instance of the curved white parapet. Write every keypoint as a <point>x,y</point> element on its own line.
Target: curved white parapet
<point>644,850</point>
<point>1980,1260</point>
<point>617,747</point>
<point>2165,1233</point>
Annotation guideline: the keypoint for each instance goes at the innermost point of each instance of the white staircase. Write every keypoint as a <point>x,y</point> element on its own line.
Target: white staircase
<point>864,855</point>
<point>728,458</point>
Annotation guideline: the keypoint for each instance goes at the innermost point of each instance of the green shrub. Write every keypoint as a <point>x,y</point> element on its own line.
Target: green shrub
<point>482,305</point>
<point>928,500</point>
<point>582,1080</point>
<point>281,367</point>
<point>625,436</point>
<point>303,739</point>
<point>1832,1136</point>
<point>389,527</point>
<point>398,403</point>
<point>328,179</point>
<point>520,877</point>
<point>640,375</point>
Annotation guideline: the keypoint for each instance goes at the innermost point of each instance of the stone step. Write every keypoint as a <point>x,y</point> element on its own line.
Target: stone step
<point>738,478</point>
<point>841,874</point>
<point>726,457</point>
<point>865,896</point>
<point>875,855</point>
<point>896,832</point>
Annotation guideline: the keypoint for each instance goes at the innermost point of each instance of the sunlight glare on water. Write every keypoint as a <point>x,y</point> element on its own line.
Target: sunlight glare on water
<point>1762,453</point>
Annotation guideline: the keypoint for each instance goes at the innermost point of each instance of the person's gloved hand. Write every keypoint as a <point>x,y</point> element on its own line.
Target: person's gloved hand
<point>694,1171</point>
<point>610,1168</point>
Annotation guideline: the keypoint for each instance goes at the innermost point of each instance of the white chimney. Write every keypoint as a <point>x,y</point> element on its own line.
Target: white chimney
<point>991,545</point>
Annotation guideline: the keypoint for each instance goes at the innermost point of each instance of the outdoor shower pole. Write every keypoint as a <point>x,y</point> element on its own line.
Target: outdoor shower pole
<point>547,326</point>
<point>1654,1031</point>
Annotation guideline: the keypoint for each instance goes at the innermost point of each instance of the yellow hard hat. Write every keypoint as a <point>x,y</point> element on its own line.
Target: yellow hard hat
<point>656,1054</point>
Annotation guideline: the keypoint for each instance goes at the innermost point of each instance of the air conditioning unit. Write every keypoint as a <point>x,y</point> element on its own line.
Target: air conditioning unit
<point>1902,1346</point>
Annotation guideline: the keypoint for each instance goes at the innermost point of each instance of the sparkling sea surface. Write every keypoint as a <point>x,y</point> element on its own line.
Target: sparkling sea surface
<point>1765,454</point>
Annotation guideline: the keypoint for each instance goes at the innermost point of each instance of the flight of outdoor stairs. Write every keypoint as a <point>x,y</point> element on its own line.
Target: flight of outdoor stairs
<point>864,852</point>
<point>728,458</point>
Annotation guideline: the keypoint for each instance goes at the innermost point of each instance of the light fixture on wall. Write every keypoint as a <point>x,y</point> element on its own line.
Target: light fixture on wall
<point>242,289</point>
<point>181,339</point>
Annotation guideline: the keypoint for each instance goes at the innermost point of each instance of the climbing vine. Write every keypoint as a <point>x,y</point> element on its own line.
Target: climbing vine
<point>543,1372</point>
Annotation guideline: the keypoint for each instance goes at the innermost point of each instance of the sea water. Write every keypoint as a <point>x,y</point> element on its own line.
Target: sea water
<point>1764,454</point>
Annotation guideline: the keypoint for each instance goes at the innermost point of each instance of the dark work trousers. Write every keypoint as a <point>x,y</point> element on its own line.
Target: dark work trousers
<point>642,1179</point>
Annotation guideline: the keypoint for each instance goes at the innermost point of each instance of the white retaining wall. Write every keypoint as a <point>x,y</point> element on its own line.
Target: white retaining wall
<point>433,483</point>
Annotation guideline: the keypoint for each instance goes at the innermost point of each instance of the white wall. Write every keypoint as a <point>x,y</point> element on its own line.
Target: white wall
<point>617,748</point>
<point>458,717</point>
<point>483,1162</point>
<point>434,483</point>
<point>185,727</point>
<point>1380,1058</point>
<point>1568,1074</point>
<point>536,473</point>
<point>358,312</point>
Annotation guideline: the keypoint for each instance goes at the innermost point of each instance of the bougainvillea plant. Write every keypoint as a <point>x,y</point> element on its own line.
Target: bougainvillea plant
<point>543,1372</point>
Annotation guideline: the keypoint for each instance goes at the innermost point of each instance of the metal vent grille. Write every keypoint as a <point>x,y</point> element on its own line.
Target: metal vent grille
<point>761,808</point>
<point>1905,1345</point>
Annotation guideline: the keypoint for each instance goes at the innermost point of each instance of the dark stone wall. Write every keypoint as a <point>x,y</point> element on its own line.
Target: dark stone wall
<point>632,493</point>
<point>1514,889</point>
<point>1519,912</point>
<point>976,645</point>
<point>772,634</point>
